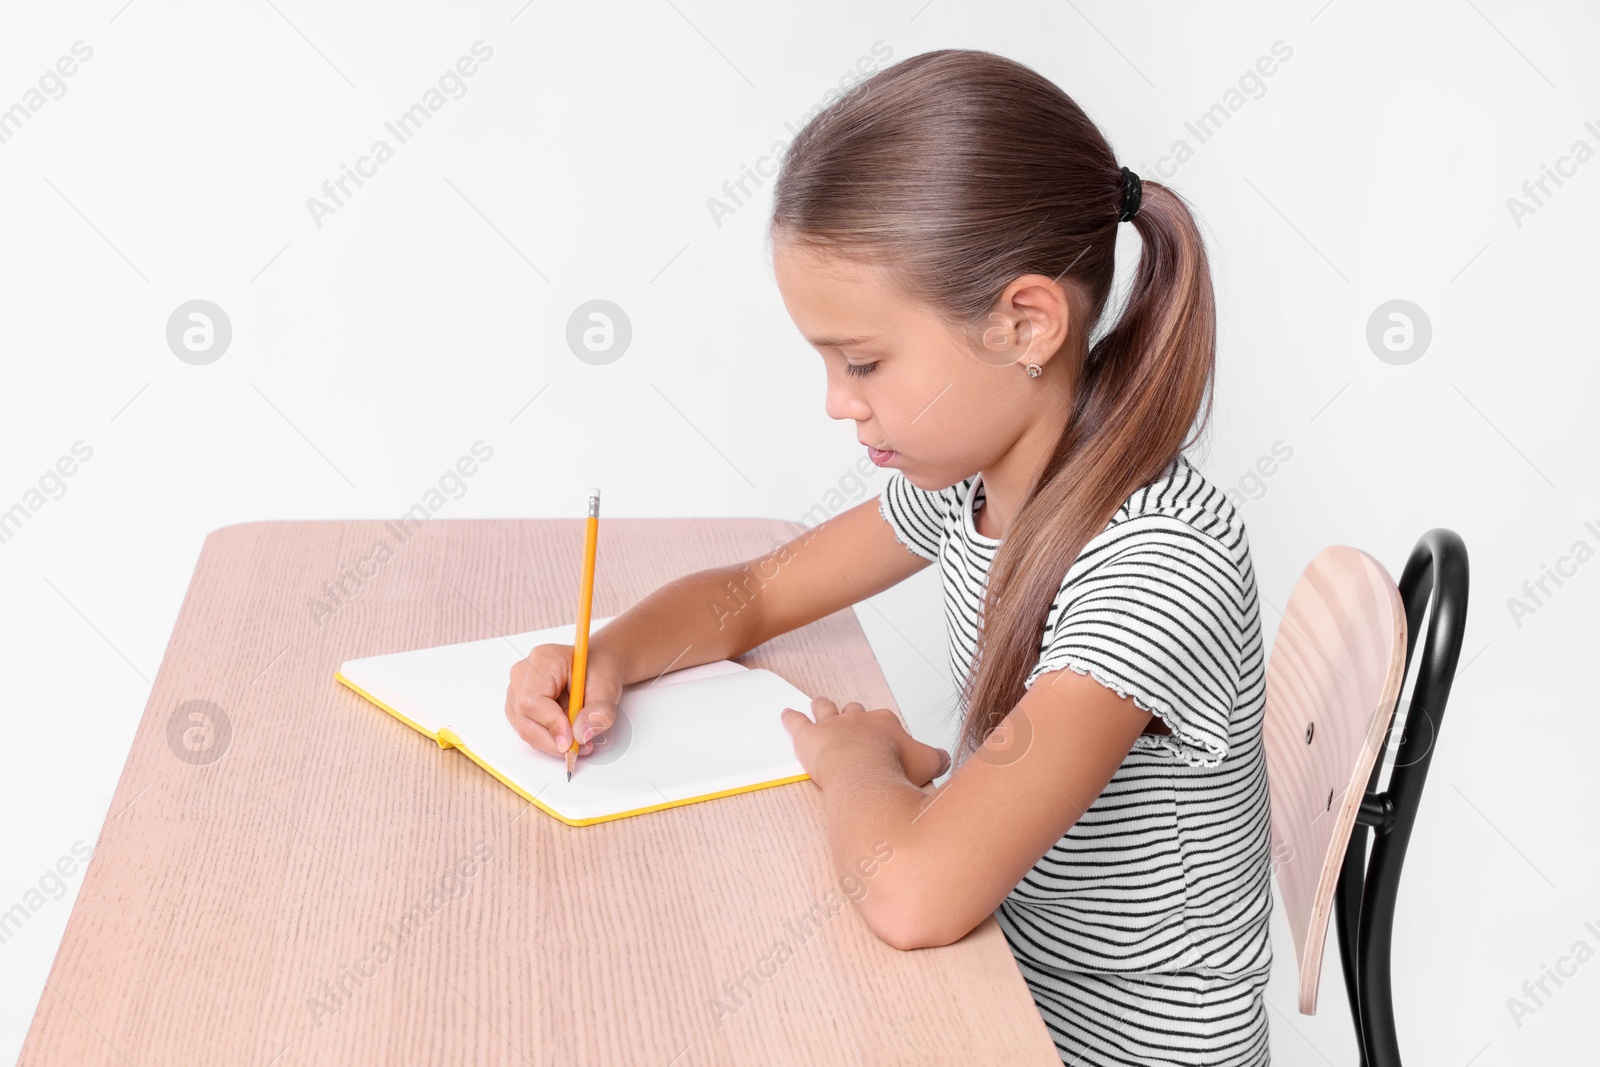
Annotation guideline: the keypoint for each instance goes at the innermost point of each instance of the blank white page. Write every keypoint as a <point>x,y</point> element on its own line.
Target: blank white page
<point>688,735</point>
<point>671,744</point>
<point>425,685</point>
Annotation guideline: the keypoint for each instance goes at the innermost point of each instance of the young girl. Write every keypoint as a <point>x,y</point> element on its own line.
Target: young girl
<point>944,235</point>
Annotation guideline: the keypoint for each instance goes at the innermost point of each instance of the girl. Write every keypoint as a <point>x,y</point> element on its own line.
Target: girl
<point>944,235</point>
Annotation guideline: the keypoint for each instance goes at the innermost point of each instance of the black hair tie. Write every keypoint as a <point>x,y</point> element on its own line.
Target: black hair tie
<point>1132,193</point>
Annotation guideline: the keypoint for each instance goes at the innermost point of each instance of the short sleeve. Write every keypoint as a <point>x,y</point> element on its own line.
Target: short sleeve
<point>916,516</point>
<point>1159,613</point>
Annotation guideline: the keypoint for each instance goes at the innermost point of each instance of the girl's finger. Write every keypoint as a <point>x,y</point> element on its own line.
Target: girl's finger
<point>596,716</point>
<point>924,763</point>
<point>538,736</point>
<point>854,705</point>
<point>552,717</point>
<point>822,707</point>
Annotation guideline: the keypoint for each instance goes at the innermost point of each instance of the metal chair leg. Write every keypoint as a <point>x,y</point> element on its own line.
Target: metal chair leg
<point>1368,886</point>
<point>1347,922</point>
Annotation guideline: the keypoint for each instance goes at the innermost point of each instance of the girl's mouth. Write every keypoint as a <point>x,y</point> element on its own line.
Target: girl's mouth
<point>880,457</point>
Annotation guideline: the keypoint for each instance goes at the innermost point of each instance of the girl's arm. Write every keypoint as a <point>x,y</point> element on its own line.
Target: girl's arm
<point>950,857</point>
<point>724,612</point>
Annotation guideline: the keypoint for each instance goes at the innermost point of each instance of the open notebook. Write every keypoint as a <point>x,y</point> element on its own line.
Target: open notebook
<point>694,734</point>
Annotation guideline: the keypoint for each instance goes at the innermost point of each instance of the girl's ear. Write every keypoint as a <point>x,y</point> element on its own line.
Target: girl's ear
<point>1042,311</point>
<point>1027,323</point>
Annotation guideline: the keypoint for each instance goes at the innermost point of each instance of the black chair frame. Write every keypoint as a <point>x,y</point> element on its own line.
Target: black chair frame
<point>1364,899</point>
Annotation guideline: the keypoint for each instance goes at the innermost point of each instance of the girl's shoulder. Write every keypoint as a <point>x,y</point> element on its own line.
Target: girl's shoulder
<point>920,517</point>
<point>1182,494</point>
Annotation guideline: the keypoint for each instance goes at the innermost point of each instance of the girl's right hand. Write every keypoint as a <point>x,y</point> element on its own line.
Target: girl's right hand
<point>538,696</point>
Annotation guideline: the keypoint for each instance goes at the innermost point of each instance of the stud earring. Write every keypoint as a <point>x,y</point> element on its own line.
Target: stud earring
<point>1034,369</point>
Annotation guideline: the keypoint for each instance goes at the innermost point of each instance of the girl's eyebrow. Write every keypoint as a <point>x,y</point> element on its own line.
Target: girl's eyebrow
<point>839,342</point>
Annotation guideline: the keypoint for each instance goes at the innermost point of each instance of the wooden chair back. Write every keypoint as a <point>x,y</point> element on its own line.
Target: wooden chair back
<point>1337,666</point>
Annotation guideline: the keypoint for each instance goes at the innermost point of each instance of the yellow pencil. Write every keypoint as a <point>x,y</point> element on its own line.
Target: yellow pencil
<point>580,649</point>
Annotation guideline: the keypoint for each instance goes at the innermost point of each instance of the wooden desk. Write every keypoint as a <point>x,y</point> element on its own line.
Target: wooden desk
<point>235,889</point>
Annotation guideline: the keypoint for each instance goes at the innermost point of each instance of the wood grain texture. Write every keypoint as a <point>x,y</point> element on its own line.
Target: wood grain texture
<point>224,900</point>
<point>1337,666</point>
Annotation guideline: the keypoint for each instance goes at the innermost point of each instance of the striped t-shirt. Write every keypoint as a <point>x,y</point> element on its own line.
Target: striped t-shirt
<point>1143,932</point>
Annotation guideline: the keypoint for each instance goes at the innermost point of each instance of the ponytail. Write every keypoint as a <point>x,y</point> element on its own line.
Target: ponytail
<point>1141,389</point>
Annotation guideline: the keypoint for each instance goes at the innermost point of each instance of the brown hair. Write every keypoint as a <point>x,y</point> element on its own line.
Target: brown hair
<point>962,170</point>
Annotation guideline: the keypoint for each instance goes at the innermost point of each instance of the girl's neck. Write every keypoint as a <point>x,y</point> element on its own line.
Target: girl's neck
<point>986,515</point>
<point>1005,480</point>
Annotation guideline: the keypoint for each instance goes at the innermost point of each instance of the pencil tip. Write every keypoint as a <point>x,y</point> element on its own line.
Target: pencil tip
<point>569,776</point>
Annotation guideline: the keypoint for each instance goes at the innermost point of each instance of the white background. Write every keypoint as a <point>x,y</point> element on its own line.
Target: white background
<point>1376,163</point>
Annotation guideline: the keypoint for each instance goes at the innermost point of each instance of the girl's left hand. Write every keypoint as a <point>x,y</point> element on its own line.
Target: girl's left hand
<point>837,731</point>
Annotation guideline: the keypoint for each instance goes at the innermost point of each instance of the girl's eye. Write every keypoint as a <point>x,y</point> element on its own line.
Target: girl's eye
<point>859,370</point>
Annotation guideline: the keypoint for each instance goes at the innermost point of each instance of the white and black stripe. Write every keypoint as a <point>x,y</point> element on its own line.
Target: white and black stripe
<point>1144,932</point>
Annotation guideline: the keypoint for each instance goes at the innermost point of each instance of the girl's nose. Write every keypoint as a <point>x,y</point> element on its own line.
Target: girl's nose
<point>843,402</point>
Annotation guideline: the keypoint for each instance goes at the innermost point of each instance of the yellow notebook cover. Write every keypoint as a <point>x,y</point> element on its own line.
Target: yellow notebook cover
<point>695,734</point>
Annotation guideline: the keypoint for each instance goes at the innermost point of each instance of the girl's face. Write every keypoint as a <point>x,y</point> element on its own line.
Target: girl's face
<point>909,382</point>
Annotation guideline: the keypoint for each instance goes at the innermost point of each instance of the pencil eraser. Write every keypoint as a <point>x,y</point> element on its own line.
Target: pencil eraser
<point>594,492</point>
